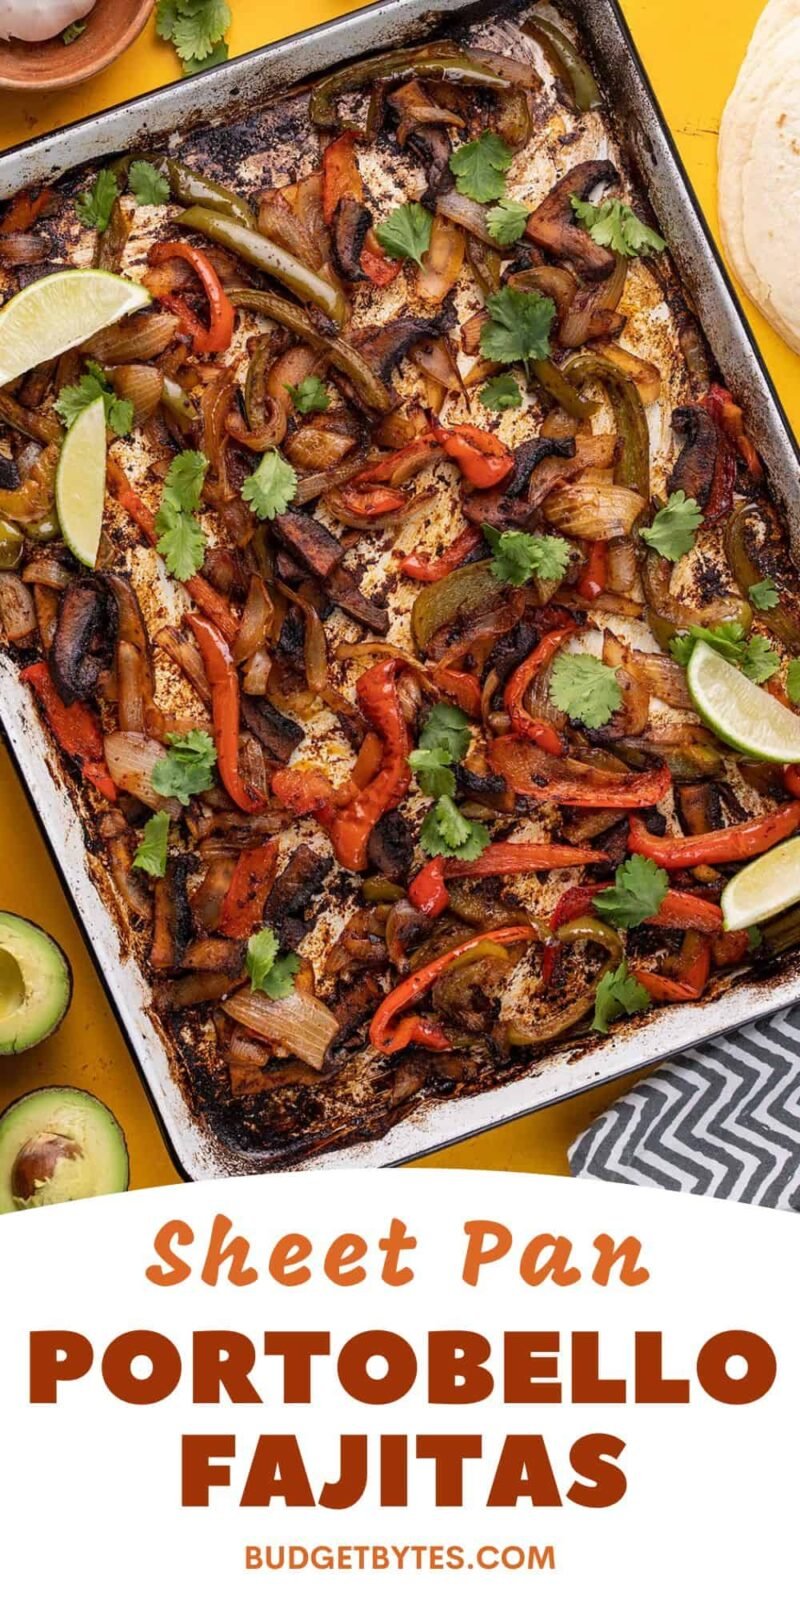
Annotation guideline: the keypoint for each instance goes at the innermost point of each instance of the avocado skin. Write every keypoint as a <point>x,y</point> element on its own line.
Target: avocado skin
<point>77,1117</point>
<point>47,976</point>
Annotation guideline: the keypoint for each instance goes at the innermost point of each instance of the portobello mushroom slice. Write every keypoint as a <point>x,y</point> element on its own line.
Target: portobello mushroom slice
<point>308,541</point>
<point>344,592</point>
<point>277,733</point>
<point>696,466</point>
<point>433,148</point>
<point>85,638</point>
<point>9,475</point>
<point>351,224</point>
<point>528,455</point>
<point>293,893</point>
<point>390,848</point>
<point>172,920</point>
<point>554,227</point>
<point>384,348</point>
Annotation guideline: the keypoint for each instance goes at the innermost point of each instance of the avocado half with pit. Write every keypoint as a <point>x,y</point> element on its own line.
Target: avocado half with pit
<point>56,1145</point>
<point>35,984</point>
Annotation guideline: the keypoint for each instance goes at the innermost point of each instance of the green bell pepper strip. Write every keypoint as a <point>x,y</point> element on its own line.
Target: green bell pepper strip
<point>558,386</point>
<point>267,257</point>
<point>566,61</point>
<point>194,189</point>
<point>783,620</point>
<point>11,546</point>
<point>438,61</point>
<point>633,466</point>
<point>372,391</point>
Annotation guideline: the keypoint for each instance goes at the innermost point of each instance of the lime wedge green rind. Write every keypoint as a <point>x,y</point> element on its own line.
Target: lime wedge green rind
<point>60,311</point>
<point>81,483</point>
<point>738,711</point>
<point>764,887</point>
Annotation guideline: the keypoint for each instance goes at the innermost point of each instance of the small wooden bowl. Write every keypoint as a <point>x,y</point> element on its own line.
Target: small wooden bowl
<point>110,28</point>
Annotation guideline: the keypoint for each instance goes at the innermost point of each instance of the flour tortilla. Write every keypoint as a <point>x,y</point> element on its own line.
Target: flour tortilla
<point>767,75</point>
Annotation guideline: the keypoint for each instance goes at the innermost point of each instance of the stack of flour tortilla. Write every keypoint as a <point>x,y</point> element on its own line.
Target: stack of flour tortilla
<point>759,169</point>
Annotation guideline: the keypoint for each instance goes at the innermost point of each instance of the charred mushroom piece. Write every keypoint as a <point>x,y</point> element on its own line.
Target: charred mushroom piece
<point>292,893</point>
<point>85,638</point>
<point>9,476</point>
<point>433,148</point>
<point>344,590</point>
<point>528,455</point>
<point>172,923</point>
<point>502,510</point>
<point>353,1010</point>
<point>278,734</point>
<point>391,847</point>
<point>309,541</point>
<point>695,469</point>
<point>384,348</point>
<point>351,224</point>
<point>553,225</point>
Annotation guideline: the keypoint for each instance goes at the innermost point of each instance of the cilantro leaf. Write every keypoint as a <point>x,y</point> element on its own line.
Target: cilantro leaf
<point>94,208</point>
<point>639,888</point>
<point>754,656</point>
<point>519,326</point>
<point>77,396</point>
<point>618,994</point>
<point>434,771</point>
<point>480,167</point>
<point>406,233</point>
<point>501,393</point>
<point>273,974</point>
<point>764,595</point>
<point>73,32</point>
<point>506,221</point>
<point>151,855</point>
<point>447,728</point>
<point>755,938</point>
<point>148,186</point>
<point>617,227</point>
<point>518,556</point>
<point>166,18</point>
<point>198,26</point>
<point>219,54</point>
<point>793,682</point>
<point>585,688</point>
<point>673,528</point>
<point>445,832</point>
<point>188,768</point>
<point>272,487</point>
<point>309,395</point>
<point>182,541</point>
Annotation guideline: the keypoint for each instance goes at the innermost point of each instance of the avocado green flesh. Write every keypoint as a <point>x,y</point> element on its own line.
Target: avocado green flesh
<point>98,1159</point>
<point>35,984</point>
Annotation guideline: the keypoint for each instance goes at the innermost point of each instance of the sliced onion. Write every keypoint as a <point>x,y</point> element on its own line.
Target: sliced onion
<point>622,566</point>
<point>47,570</point>
<point>137,338</point>
<point>442,261</point>
<point>314,449</point>
<point>644,374</point>
<point>289,370</point>
<point>24,249</point>
<point>280,224</point>
<point>130,758</point>
<point>315,484</point>
<point>142,385</point>
<point>46,603</point>
<point>256,621</point>
<point>436,361</point>
<point>555,282</point>
<point>467,213</point>
<point>594,511</point>
<point>130,889</point>
<point>300,1023</point>
<point>17,612</point>
<point>130,709</point>
<point>267,435</point>
<point>315,644</point>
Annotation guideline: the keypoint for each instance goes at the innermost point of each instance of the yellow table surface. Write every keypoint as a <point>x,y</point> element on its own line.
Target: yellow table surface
<point>692,52</point>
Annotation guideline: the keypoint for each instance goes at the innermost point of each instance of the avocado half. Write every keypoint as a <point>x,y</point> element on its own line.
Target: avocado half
<point>56,1145</point>
<point>35,984</point>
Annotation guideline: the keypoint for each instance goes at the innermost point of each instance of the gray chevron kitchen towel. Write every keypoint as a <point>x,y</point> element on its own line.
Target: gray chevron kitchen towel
<point>722,1120</point>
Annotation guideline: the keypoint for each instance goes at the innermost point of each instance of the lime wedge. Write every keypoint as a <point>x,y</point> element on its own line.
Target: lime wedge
<point>59,311</point>
<point>763,888</point>
<point>738,711</point>
<point>81,483</point>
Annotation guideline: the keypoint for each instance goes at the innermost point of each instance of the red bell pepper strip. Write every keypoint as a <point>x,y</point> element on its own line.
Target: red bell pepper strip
<point>218,335</point>
<point>224,684</point>
<point>202,593</point>
<point>305,791</point>
<point>510,757</point>
<point>480,455</point>
<point>428,892</point>
<point>791,780</point>
<point>387,1035</point>
<point>693,969</point>
<point>25,210</point>
<point>462,687</point>
<point>375,264</point>
<point>678,909</point>
<point>350,828</point>
<point>429,569</point>
<point>720,404</point>
<point>728,949</point>
<point>523,724</point>
<point>405,461</point>
<point>737,843</point>
<point>720,498</point>
<point>372,501</point>
<point>594,577</point>
<point>243,907</point>
<point>76,728</point>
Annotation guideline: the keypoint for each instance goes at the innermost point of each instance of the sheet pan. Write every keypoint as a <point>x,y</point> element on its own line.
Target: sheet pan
<point>233,89</point>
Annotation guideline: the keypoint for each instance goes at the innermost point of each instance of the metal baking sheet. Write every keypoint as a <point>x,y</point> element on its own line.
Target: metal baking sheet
<point>233,90</point>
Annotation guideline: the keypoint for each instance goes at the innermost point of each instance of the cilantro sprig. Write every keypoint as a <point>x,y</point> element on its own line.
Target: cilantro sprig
<point>501,393</point>
<point>447,832</point>
<point>519,557</point>
<point>95,206</point>
<point>618,995</point>
<point>444,740</point>
<point>182,541</point>
<point>188,768</point>
<point>614,225</point>
<point>480,166</point>
<point>309,395</point>
<point>764,595</point>
<point>148,186</point>
<point>405,234</point>
<point>268,971</point>
<point>585,688</point>
<point>506,221</point>
<point>270,490</point>
<point>196,28</point>
<point>753,656</point>
<point>75,398</point>
<point>672,531</point>
<point>151,856</point>
<point>793,682</point>
<point>639,888</point>
<point>518,327</point>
